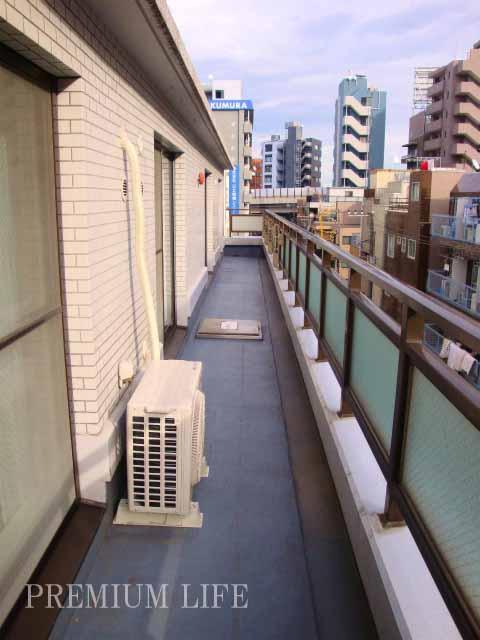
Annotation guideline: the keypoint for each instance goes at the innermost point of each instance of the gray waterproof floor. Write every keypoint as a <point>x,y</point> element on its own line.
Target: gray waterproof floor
<point>253,530</point>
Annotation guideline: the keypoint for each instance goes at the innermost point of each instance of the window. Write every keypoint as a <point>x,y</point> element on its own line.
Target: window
<point>415,191</point>
<point>268,148</point>
<point>268,157</point>
<point>347,240</point>
<point>268,168</point>
<point>411,249</point>
<point>391,245</point>
<point>219,94</point>
<point>404,245</point>
<point>399,240</point>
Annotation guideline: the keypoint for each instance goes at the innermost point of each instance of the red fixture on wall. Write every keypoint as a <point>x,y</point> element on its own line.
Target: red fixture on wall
<point>201,178</point>
<point>424,165</point>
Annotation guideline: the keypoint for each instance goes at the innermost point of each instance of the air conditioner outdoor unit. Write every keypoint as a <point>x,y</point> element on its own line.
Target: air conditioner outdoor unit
<point>165,446</point>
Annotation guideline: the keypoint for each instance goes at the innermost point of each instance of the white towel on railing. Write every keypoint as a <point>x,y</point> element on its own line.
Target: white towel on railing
<point>445,348</point>
<point>455,357</point>
<point>468,362</point>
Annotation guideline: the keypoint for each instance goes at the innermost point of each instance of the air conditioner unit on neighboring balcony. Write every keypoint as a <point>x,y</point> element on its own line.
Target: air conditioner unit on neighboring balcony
<point>165,446</point>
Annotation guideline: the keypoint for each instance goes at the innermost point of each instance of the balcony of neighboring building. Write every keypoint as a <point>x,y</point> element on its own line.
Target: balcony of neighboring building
<point>247,151</point>
<point>432,144</point>
<point>436,340</point>
<point>247,127</point>
<point>355,143</point>
<point>351,121</point>
<point>455,293</point>
<point>436,88</point>
<point>433,126</point>
<point>468,110</point>
<point>467,130</point>
<point>470,89</point>
<point>353,159</point>
<point>306,157</point>
<point>465,151</point>
<point>434,108</point>
<point>459,229</point>
<point>355,105</point>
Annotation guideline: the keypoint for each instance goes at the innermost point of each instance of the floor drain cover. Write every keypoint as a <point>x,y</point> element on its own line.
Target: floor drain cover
<point>222,328</point>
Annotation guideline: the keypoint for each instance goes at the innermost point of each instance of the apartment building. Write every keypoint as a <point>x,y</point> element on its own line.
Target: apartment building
<point>448,130</point>
<point>456,237</point>
<point>359,141</point>
<point>408,250</point>
<point>74,92</point>
<point>387,188</point>
<point>293,161</point>
<point>233,116</point>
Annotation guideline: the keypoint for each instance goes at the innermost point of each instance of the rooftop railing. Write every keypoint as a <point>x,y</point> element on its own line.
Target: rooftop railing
<point>420,418</point>
<point>435,341</point>
<point>455,228</point>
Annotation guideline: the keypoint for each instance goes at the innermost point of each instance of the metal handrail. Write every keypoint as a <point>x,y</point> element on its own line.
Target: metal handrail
<point>459,326</point>
<point>291,247</point>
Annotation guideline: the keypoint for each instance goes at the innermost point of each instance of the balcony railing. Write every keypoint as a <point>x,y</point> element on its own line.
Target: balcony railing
<point>420,418</point>
<point>454,228</point>
<point>435,341</point>
<point>455,293</point>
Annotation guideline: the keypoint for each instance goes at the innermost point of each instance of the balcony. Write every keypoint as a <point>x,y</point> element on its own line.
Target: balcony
<point>433,126</point>
<point>455,293</point>
<point>247,151</point>
<point>468,88</point>
<point>434,108</point>
<point>435,341</point>
<point>455,228</point>
<point>361,147</point>
<point>469,110</point>
<point>436,88</point>
<point>306,156</point>
<point>360,129</point>
<point>375,359</point>
<point>272,516</point>
<point>434,144</point>
<point>349,156</point>
<point>247,172</point>
<point>247,127</point>
<point>467,130</point>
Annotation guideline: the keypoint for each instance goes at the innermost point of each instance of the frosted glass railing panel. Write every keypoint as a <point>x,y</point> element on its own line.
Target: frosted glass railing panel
<point>374,375</point>
<point>442,476</point>
<point>293,263</point>
<point>314,291</point>
<point>335,317</point>
<point>302,274</point>
<point>287,256</point>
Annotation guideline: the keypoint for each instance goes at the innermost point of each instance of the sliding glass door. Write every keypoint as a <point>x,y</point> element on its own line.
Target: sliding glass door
<point>36,468</point>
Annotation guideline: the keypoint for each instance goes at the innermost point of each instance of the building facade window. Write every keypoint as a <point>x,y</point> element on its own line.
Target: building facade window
<point>391,245</point>
<point>411,249</point>
<point>415,191</point>
<point>219,94</point>
<point>404,245</point>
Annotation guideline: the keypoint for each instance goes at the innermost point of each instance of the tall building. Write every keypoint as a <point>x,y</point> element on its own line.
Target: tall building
<point>359,142</point>
<point>293,161</point>
<point>448,129</point>
<point>234,119</point>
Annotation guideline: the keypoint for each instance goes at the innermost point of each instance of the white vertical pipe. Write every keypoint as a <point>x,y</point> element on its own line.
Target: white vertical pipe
<point>140,252</point>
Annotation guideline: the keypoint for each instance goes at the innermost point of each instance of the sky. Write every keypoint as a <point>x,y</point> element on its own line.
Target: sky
<point>292,54</point>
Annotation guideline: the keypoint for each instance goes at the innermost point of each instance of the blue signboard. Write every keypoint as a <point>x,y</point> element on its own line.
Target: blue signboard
<point>234,190</point>
<point>231,105</point>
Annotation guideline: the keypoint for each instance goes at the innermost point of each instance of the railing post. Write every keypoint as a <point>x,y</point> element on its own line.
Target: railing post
<point>326,266</point>
<point>412,331</point>
<point>355,287</point>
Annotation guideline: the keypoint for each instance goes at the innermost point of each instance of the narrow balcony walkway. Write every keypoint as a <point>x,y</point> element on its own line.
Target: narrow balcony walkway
<point>271,515</point>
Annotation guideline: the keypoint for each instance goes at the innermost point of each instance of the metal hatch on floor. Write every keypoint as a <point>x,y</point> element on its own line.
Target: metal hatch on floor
<point>226,329</point>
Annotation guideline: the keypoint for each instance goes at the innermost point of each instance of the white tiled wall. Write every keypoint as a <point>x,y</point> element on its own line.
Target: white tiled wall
<point>104,316</point>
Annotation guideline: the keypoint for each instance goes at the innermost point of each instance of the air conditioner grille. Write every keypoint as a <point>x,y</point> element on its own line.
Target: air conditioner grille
<point>198,435</point>
<point>154,462</point>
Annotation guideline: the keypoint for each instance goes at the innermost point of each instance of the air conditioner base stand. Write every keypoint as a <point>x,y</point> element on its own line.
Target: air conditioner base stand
<point>124,516</point>
<point>205,469</point>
